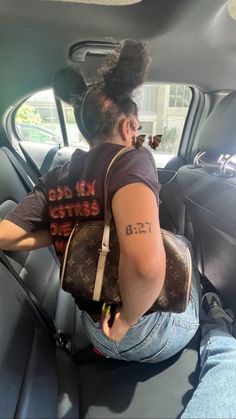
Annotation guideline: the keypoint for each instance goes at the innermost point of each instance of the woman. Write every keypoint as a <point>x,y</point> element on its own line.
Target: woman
<point>108,117</point>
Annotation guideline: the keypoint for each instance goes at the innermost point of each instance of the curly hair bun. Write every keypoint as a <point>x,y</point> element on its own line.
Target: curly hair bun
<point>125,69</point>
<point>69,84</point>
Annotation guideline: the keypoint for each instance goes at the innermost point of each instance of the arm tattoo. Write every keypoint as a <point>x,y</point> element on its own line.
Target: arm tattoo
<point>138,228</point>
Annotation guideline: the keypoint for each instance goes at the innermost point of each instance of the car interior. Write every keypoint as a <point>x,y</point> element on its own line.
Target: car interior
<point>189,99</point>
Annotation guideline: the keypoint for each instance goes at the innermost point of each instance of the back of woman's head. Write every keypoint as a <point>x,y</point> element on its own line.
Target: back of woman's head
<point>98,109</point>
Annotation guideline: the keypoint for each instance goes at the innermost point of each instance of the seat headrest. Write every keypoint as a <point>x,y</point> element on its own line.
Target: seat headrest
<point>6,207</point>
<point>68,83</point>
<point>219,130</point>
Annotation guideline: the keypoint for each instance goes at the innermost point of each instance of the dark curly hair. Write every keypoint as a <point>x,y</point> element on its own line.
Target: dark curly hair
<point>97,107</point>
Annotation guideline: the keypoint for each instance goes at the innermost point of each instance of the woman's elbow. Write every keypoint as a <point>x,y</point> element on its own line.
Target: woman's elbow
<point>7,234</point>
<point>151,268</point>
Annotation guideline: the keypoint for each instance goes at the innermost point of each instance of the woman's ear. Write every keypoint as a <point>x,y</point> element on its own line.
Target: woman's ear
<point>126,131</point>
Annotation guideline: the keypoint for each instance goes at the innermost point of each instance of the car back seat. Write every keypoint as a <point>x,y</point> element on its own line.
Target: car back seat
<point>43,381</point>
<point>210,199</point>
<point>38,380</point>
<point>32,380</point>
<point>41,278</point>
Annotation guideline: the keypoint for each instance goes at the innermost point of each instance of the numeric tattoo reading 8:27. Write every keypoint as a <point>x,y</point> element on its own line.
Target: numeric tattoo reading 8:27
<point>138,228</point>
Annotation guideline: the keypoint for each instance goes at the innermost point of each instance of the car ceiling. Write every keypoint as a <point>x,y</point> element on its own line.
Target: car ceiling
<point>191,41</point>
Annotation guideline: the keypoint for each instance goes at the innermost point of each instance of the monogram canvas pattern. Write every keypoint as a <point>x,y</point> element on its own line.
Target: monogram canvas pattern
<point>82,258</point>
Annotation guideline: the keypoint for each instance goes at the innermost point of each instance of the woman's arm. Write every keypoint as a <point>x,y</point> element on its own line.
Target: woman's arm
<point>13,237</point>
<point>142,255</point>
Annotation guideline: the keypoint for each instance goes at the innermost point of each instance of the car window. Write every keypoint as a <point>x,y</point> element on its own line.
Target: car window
<point>162,111</point>
<point>75,138</point>
<point>37,119</point>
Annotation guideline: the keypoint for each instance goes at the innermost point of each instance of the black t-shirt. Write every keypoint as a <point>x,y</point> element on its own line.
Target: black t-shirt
<point>75,191</point>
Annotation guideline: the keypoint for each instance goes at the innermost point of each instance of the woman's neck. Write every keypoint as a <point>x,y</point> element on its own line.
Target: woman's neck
<point>114,140</point>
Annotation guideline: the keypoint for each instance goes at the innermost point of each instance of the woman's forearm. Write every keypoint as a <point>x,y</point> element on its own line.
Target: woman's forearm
<point>13,237</point>
<point>31,242</point>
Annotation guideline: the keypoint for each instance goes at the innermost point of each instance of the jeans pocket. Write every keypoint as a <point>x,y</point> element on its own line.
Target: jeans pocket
<point>180,334</point>
<point>142,319</point>
<point>161,353</point>
<point>153,331</point>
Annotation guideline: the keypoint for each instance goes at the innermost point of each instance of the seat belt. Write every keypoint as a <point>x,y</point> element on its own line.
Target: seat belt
<point>27,178</point>
<point>29,160</point>
<point>48,160</point>
<point>45,320</point>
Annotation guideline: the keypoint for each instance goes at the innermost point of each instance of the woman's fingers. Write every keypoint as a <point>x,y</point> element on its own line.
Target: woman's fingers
<point>118,330</point>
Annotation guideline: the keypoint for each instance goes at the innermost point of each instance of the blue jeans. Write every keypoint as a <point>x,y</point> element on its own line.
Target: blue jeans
<point>214,396</point>
<point>154,338</point>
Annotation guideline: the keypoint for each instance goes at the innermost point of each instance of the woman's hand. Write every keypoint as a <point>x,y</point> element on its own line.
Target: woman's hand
<point>118,329</point>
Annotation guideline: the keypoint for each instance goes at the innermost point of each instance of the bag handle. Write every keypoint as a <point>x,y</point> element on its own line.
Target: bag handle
<point>103,251</point>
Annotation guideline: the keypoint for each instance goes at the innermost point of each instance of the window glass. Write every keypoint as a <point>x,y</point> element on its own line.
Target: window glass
<point>75,137</point>
<point>162,111</point>
<point>37,119</point>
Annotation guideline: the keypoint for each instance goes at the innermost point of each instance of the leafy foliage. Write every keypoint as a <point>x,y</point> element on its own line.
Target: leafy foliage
<point>28,114</point>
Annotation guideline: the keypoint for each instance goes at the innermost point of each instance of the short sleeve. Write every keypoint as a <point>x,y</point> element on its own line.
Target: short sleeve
<point>31,213</point>
<point>135,166</point>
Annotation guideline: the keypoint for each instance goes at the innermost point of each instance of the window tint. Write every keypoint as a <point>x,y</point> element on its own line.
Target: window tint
<point>37,119</point>
<point>180,96</point>
<point>162,111</point>
<point>75,137</point>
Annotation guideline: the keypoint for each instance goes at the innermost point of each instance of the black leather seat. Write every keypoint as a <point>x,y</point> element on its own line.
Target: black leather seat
<point>39,380</point>
<point>211,200</point>
<point>41,278</point>
<point>30,383</point>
